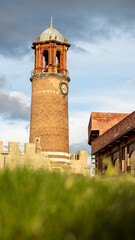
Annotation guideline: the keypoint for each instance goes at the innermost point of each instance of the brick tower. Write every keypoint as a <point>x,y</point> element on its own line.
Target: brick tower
<point>49,103</point>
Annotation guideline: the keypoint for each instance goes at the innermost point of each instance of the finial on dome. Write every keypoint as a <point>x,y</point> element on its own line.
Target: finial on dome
<point>51,23</point>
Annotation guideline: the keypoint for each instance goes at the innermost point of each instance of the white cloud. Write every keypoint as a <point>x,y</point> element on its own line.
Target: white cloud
<point>15,132</point>
<point>78,127</point>
<point>14,105</point>
<point>17,66</point>
<point>108,58</point>
<point>131,81</point>
<point>114,102</point>
<point>78,120</point>
<point>17,72</point>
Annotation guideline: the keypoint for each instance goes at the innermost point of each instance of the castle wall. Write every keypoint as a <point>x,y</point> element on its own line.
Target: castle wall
<point>34,159</point>
<point>78,163</point>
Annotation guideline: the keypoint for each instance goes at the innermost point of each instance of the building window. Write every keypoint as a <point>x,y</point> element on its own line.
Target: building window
<point>45,61</point>
<point>58,61</point>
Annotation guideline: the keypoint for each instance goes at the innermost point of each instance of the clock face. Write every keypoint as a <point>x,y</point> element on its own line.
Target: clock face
<point>64,88</point>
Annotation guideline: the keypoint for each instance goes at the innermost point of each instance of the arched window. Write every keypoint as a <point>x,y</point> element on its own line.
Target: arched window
<point>45,61</point>
<point>132,163</point>
<point>58,61</point>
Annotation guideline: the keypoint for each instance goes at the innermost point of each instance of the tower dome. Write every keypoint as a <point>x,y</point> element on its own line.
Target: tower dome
<point>51,34</point>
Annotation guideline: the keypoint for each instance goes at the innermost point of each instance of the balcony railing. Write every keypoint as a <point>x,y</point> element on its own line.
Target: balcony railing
<point>42,70</point>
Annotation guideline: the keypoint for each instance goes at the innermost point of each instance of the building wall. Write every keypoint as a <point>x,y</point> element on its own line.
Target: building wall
<point>119,155</point>
<point>103,121</point>
<point>116,146</point>
<point>113,134</point>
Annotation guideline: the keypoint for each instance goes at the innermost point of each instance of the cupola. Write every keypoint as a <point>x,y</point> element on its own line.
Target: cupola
<point>50,52</point>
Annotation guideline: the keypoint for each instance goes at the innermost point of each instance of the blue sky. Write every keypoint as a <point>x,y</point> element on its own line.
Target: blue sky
<point>101,61</point>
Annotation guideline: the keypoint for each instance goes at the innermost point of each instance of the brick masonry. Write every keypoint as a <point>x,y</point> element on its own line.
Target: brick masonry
<point>49,112</point>
<point>123,127</point>
<point>113,145</point>
<point>101,122</point>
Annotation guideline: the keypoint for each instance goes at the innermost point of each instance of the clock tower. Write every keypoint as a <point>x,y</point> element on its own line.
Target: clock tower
<point>49,102</point>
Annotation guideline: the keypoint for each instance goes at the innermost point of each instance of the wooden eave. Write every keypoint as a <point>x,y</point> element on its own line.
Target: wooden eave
<point>115,141</point>
<point>94,133</point>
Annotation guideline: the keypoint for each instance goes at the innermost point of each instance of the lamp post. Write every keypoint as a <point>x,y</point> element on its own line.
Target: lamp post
<point>4,154</point>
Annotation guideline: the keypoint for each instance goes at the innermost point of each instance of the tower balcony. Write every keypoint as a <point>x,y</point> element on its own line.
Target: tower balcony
<point>49,69</point>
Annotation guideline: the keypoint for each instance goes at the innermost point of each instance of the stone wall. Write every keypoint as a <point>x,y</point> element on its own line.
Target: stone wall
<point>78,163</point>
<point>34,159</point>
<point>30,158</point>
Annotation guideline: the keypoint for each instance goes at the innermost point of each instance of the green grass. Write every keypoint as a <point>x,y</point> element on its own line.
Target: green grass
<point>52,206</point>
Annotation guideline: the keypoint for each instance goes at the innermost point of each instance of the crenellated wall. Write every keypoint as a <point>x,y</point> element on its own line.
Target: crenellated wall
<point>34,159</point>
<point>29,159</point>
